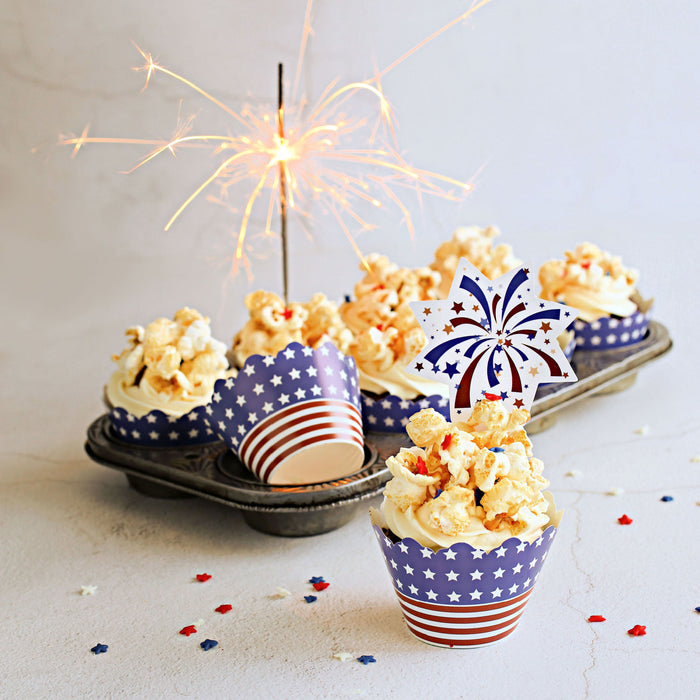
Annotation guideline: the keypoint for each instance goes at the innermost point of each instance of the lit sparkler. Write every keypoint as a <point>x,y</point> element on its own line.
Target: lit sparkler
<point>295,156</point>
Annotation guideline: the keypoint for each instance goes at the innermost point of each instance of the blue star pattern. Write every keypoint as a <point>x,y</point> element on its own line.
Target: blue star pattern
<point>157,429</point>
<point>276,403</point>
<point>608,332</point>
<point>492,338</point>
<point>462,595</point>
<point>390,414</point>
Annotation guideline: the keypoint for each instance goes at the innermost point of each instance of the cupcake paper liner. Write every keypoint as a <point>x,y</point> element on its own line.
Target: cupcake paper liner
<point>462,596</point>
<point>158,429</point>
<point>609,332</point>
<point>294,417</point>
<point>388,413</point>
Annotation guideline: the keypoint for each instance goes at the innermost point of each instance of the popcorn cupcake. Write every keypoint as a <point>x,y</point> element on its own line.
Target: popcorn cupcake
<point>292,415</point>
<point>386,338</point>
<point>465,526</point>
<point>476,245</point>
<point>611,311</point>
<point>165,378</point>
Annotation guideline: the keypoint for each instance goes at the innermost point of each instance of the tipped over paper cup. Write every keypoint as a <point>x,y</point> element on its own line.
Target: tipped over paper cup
<point>293,418</point>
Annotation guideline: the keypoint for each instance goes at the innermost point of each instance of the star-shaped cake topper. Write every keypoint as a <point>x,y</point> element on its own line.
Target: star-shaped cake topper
<point>492,339</point>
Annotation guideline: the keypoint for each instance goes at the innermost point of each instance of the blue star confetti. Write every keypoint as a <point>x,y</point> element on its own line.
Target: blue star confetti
<point>310,598</point>
<point>367,659</point>
<point>208,644</point>
<point>316,579</point>
<point>666,499</point>
<point>99,649</point>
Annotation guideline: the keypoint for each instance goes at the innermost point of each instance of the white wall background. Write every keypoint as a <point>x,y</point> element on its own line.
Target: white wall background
<point>584,114</point>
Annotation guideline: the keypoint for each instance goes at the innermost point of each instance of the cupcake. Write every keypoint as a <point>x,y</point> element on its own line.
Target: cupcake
<point>465,526</point>
<point>476,245</point>
<point>611,312</point>
<point>292,415</point>
<point>164,380</point>
<point>386,338</point>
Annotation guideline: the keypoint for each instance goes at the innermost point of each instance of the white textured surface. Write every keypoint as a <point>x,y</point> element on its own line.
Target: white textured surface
<point>587,115</point>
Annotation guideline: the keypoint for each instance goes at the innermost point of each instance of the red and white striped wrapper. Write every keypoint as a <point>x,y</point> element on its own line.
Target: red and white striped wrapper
<point>293,418</point>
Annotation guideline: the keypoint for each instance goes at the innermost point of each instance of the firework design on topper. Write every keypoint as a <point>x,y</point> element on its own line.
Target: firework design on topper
<point>463,596</point>
<point>280,407</point>
<point>492,339</point>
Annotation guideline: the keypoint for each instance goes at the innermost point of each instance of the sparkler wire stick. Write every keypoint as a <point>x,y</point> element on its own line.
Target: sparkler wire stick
<point>283,183</point>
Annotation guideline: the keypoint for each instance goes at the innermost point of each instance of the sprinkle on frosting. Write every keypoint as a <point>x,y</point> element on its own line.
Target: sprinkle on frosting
<point>316,579</point>
<point>310,598</point>
<point>203,577</point>
<point>223,609</point>
<point>208,644</point>
<point>99,649</point>
<point>188,630</point>
<point>666,499</point>
<point>88,590</point>
<point>625,520</point>
<point>596,618</point>
<point>321,585</point>
<point>343,656</point>
<point>637,631</point>
<point>280,593</point>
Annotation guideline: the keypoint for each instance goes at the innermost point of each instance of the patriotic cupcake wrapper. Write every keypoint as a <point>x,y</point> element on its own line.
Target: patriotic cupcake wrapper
<point>389,413</point>
<point>462,596</point>
<point>294,417</point>
<point>158,429</point>
<point>608,332</point>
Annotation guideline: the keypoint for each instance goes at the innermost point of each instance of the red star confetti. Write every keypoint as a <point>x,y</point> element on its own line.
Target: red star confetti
<point>637,631</point>
<point>223,609</point>
<point>187,631</point>
<point>203,577</point>
<point>596,618</point>
<point>625,520</point>
<point>321,585</point>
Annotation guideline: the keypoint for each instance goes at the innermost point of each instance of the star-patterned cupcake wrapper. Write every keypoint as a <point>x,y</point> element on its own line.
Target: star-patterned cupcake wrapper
<point>278,405</point>
<point>462,596</point>
<point>158,429</point>
<point>608,332</point>
<point>389,413</point>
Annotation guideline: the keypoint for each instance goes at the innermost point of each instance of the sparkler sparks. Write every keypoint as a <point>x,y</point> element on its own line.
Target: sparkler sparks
<point>324,154</point>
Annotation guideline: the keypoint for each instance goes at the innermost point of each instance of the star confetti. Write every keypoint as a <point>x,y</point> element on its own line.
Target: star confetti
<point>281,593</point>
<point>208,644</point>
<point>625,520</point>
<point>316,579</point>
<point>321,585</point>
<point>203,577</point>
<point>99,649</point>
<point>503,341</point>
<point>310,598</point>
<point>187,631</point>
<point>697,610</point>
<point>666,499</point>
<point>223,609</point>
<point>637,631</point>
<point>342,656</point>
<point>88,590</point>
<point>366,659</point>
<point>596,618</point>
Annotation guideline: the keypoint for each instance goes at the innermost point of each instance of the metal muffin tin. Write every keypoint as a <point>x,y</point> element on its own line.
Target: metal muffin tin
<point>212,471</point>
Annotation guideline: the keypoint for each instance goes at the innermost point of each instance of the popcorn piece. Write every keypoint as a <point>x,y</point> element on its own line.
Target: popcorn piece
<point>476,245</point>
